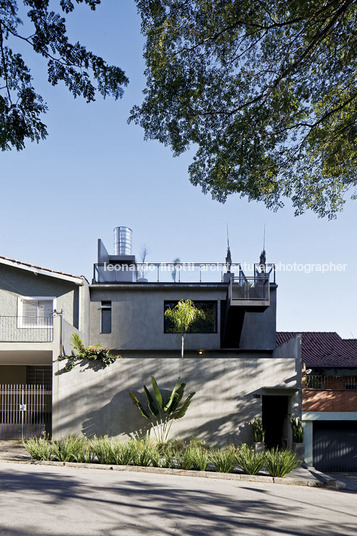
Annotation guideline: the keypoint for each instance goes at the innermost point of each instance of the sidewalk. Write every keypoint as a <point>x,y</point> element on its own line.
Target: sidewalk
<point>13,451</point>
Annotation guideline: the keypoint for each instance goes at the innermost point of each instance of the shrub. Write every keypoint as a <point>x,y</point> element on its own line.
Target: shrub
<point>297,429</point>
<point>280,462</point>
<point>250,462</point>
<point>162,410</point>
<point>143,453</point>
<point>68,449</point>
<point>224,459</point>
<point>102,449</point>
<point>40,448</point>
<point>169,454</point>
<point>196,458</point>
<point>258,430</point>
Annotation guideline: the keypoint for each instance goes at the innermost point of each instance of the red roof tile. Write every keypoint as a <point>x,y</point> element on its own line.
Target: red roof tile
<point>34,266</point>
<point>323,349</point>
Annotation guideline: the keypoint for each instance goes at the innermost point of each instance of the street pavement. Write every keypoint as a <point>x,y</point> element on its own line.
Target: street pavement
<point>43,500</point>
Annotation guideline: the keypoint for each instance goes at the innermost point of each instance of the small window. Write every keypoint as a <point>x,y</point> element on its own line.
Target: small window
<point>106,317</point>
<point>35,312</point>
<point>208,324</point>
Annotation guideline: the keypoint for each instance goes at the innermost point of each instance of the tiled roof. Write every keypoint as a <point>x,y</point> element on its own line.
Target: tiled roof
<point>35,267</point>
<point>323,349</point>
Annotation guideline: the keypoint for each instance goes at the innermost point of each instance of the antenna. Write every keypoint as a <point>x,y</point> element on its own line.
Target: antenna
<point>264,238</point>
<point>228,256</point>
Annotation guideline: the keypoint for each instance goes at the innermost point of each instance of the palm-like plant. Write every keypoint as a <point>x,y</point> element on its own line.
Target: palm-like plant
<point>183,315</point>
<point>162,410</point>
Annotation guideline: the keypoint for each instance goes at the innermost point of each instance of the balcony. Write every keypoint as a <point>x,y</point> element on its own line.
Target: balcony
<point>314,382</point>
<point>26,329</point>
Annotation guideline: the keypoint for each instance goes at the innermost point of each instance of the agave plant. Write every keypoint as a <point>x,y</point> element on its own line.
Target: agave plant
<point>162,410</point>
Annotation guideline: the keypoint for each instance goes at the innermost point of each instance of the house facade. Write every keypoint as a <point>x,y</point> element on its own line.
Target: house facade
<point>231,359</point>
<point>39,309</point>
<point>329,399</point>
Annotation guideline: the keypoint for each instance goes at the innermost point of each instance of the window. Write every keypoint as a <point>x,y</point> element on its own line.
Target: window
<point>106,317</point>
<point>208,324</point>
<point>35,312</point>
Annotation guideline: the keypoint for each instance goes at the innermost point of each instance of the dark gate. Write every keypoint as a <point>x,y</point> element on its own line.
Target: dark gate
<point>335,445</point>
<point>25,411</point>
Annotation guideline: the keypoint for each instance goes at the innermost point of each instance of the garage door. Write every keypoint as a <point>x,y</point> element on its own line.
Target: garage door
<point>335,445</point>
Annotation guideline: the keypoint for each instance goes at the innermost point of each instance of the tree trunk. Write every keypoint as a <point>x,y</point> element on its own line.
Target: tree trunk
<point>182,345</point>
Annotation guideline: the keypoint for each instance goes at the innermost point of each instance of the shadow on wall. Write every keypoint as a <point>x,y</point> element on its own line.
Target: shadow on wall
<point>121,418</point>
<point>98,402</point>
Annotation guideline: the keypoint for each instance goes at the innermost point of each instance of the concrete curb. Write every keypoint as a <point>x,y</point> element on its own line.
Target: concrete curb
<point>320,481</point>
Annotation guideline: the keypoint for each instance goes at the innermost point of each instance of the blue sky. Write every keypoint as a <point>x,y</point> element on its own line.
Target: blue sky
<point>95,172</point>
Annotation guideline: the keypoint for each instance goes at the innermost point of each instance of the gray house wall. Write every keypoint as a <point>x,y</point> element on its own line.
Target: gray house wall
<point>71,297</point>
<point>92,400</point>
<point>138,318</point>
<point>15,283</point>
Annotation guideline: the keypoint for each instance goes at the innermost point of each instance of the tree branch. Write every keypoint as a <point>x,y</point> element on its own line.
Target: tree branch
<point>4,62</point>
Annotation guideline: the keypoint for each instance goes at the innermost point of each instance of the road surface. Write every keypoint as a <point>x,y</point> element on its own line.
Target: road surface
<point>40,500</point>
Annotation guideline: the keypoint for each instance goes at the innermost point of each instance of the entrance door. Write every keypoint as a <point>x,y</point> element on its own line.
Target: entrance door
<point>275,420</point>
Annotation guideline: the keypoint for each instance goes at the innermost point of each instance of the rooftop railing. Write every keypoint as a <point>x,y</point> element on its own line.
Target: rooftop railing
<point>180,272</point>
<point>26,329</point>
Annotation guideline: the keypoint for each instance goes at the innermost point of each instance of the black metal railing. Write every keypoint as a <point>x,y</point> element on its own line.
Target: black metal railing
<point>315,382</point>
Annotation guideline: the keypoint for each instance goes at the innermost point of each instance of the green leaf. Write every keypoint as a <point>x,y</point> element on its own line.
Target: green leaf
<point>157,393</point>
<point>182,410</point>
<point>150,402</point>
<point>138,405</point>
<point>171,399</point>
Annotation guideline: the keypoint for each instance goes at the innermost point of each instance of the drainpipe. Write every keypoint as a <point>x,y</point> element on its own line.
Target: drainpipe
<point>60,314</point>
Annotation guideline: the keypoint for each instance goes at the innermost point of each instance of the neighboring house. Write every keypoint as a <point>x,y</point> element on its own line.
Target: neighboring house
<point>329,399</point>
<point>231,359</point>
<point>39,309</point>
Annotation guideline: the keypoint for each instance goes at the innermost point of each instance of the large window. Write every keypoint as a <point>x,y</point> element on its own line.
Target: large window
<point>208,324</point>
<point>35,312</point>
<point>106,317</point>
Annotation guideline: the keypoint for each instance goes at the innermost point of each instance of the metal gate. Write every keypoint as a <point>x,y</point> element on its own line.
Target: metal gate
<point>335,445</point>
<point>25,411</point>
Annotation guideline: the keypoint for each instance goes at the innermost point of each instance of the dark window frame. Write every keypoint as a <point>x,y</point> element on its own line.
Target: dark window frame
<point>105,308</point>
<point>172,303</point>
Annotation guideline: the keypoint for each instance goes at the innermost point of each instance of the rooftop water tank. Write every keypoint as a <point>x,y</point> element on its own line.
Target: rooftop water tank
<point>122,240</point>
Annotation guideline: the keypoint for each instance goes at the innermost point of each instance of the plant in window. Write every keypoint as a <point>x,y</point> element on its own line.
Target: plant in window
<point>183,315</point>
<point>163,410</point>
<point>92,353</point>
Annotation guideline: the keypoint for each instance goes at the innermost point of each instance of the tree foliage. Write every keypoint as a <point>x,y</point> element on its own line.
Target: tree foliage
<point>84,73</point>
<point>183,315</point>
<point>266,92</point>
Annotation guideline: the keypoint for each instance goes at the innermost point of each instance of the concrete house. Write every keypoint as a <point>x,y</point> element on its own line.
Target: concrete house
<point>231,359</point>
<point>39,309</point>
<point>329,399</point>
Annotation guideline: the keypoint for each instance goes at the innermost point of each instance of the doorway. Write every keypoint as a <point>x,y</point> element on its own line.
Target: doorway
<point>275,413</point>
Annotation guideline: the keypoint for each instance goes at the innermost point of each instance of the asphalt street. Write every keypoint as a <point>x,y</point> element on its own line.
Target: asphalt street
<point>38,500</point>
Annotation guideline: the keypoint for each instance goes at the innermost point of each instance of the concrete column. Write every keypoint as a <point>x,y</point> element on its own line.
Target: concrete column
<point>308,431</point>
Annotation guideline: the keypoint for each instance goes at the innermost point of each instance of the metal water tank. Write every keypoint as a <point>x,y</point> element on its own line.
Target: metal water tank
<point>122,240</point>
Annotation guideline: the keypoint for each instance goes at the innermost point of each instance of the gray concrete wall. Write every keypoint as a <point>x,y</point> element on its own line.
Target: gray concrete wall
<point>138,318</point>
<point>259,328</point>
<point>92,400</point>
<point>15,282</point>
